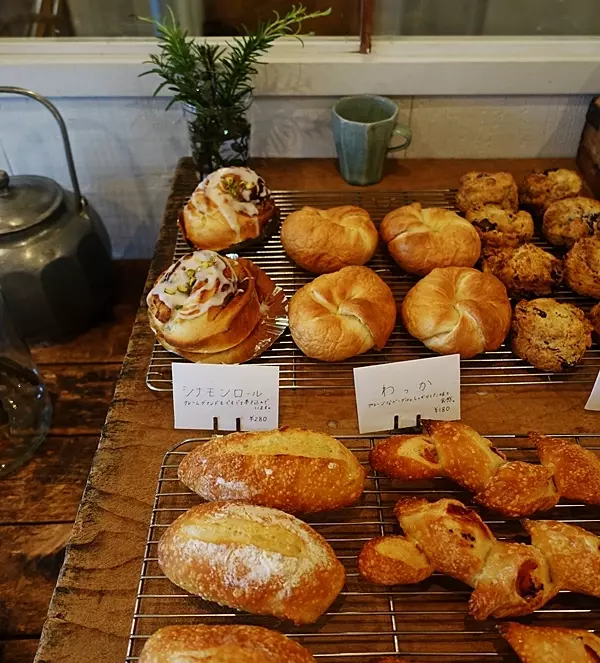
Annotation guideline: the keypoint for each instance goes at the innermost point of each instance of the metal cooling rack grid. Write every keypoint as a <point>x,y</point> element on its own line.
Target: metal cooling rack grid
<point>424,622</point>
<point>496,368</point>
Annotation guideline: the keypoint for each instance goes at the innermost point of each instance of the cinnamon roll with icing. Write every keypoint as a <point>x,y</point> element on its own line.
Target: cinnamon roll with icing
<point>229,207</point>
<point>204,303</point>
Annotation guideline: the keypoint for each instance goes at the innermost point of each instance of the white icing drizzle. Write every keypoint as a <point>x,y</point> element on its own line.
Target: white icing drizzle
<point>211,189</point>
<point>184,284</point>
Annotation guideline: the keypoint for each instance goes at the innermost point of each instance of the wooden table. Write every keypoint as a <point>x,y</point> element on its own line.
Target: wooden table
<point>91,610</point>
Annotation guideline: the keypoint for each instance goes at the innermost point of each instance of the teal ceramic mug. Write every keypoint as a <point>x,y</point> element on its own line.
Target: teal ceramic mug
<point>363,127</point>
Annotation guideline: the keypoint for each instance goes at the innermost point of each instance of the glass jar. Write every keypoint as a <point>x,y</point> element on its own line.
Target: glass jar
<point>218,139</point>
<point>25,407</point>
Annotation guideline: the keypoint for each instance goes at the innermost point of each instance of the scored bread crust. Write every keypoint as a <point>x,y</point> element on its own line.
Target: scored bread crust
<point>342,315</point>
<point>252,558</point>
<point>293,469</point>
<point>324,241</point>
<point>230,643</point>
<point>420,240</point>
<point>458,310</point>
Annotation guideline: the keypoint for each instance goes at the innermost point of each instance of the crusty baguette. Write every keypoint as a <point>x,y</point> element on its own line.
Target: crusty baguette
<point>222,644</point>
<point>549,644</point>
<point>293,469</point>
<point>252,558</point>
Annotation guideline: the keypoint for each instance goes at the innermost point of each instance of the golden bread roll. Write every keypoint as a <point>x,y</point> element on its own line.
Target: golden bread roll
<point>420,240</point>
<point>458,310</point>
<point>540,189</point>
<point>477,189</point>
<point>323,241</point>
<point>342,315</point>
<point>222,644</point>
<point>582,267</point>
<point>204,302</point>
<point>566,221</point>
<point>392,560</point>
<point>252,558</point>
<point>293,469</point>
<point>229,206</point>
<point>550,644</point>
<point>500,227</point>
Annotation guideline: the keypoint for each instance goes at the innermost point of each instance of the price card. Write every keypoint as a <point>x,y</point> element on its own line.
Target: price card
<point>202,392</point>
<point>593,402</point>
<point>429,387</point>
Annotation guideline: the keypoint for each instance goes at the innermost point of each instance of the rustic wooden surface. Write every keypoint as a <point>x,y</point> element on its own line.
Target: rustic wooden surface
<point>91,610</point>
<point>38,504</point>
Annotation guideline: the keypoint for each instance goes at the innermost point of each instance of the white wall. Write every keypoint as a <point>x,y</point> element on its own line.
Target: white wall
<point>126,149</point>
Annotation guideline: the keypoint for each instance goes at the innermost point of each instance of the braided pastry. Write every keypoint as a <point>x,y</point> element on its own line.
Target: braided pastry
<point>514,488</point>
<point>547,644</point>
<point>509,579</point>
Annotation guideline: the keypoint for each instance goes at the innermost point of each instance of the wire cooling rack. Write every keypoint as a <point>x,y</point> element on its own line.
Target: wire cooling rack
<point>424,622</point>
<point>297,371</point>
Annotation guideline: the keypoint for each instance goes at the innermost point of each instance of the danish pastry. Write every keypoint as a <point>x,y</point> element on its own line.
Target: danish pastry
<point>566,221</point>
<point>582,267</point>
<point>323,241</point>
<point>550,335</point>
<point>229,207</point>
<point>342,315</point>
<point>497,226</point>
<point>541,188</point>
<point>458,310</point>
<point>478,189</point>
<point>525,270</point>
<point>421,239</point>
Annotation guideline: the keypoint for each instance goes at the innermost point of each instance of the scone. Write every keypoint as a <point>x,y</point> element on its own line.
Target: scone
<point>566,221</point>
<point>478,189</point>
<point>540,189</point>
<point>526,270</point>
<point>229,207</point>
<point>550,335</point>
<point>582,267</point>
<point>323,241</point>
<point>420,240</point>
<point>500,227</point>
<point>594,317</point>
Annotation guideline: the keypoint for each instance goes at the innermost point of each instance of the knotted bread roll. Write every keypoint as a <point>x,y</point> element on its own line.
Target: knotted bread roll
<point>323,241</point>
<point>420,240</point>
<point>458,310</point>
<point>342,315</point>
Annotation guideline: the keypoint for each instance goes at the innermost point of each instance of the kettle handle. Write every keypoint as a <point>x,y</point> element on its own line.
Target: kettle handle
<point>8,89</point>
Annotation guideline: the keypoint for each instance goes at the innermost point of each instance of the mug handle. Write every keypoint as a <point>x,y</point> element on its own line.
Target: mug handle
<point>406,133</point>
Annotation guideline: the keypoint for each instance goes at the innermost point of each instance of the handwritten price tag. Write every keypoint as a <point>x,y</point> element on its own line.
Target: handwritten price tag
<point>593,402</point>
<point>202,392</point>
<point>429,387</point>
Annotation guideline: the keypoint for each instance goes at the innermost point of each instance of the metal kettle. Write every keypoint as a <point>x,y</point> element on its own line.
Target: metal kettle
<point>55,255</point>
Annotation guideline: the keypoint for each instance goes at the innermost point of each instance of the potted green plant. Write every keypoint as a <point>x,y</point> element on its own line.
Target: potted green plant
<point>214,83</point>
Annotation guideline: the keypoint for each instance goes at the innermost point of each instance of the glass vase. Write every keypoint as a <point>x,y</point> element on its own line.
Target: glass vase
<point>217,142</point>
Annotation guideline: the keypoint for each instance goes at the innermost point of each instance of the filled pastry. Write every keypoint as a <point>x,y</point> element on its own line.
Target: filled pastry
<point>229,207</point>
<point>550,335</point>
<point>477,189</point>
<point>497,226</point>
<point>323,241</point>
<point>540,189</point>
<point>566,221</point>
<point>420,240</point>
<point>582,267</point>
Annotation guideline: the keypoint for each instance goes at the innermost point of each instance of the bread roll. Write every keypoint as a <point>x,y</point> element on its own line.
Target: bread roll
<point>342,315</point>
<point>222,644</point>
<point>500,227</point>
<point>323,241</point>
<point>252,558</point>
<point>458,310</point>
<point>420,240</point>
<point>568,220</point>
<point>230,206</point>
<point>293,469</point>
<point>540,189</point>
<point>204,302</point>
<point>582,267</point>
<point>477,189</point>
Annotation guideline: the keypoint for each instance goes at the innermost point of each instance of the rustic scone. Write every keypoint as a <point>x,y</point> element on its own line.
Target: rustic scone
<point>525,270</point>
<point>500,227</point>
<point>582,267</point>
<point>550,335</point>
<point>293,469</point>
<point>342,315</point>
<point>420,240</point>
<point>539,189</point>
<point>390,560</point>
<point>594,317</point>
<point>478,189</point>
<point>458,310</point>
<point>231,643</point>
<point>323,241</point>
<point>252,558</point>
<point>566,221</point>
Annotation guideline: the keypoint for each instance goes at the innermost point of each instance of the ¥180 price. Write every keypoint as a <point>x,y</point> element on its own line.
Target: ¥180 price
<point>442,409</point>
